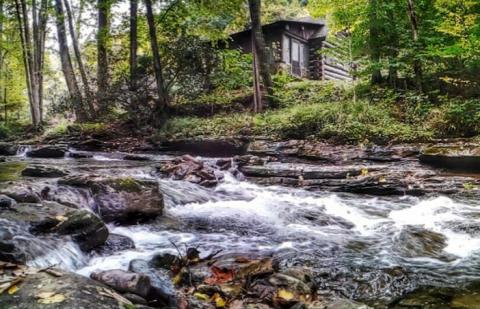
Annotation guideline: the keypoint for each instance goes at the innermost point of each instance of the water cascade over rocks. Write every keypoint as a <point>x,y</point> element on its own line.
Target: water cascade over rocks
<point>295,228</point>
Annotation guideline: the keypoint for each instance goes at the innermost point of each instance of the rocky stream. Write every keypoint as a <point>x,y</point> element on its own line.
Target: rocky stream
<point>260,225</point>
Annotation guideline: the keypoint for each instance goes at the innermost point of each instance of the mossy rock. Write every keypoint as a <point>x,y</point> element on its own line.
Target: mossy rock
<point>453,157</point>
<point>127,184</point>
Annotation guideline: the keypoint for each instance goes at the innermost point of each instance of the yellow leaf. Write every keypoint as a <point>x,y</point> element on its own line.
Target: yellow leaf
<point>220,302</point>
<point>12,289</point>
<point>202,296</point>
<point>57,298</point>
<point>382,179</point>
<point>364,172</point>
<point>61,218</point>
<point>287,295</point>
<point>44,294</point>
<point>177,279</point>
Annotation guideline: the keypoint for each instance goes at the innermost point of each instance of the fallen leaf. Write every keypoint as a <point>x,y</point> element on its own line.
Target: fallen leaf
<point>220,302</point>
<point>382,180</point>
<point>202,296</point>
<point>53,272</point>
<point>177,279</point>
<point>242,260</point>
<point>287,295</point>
<point>56,298</point>
<point>44,294</point>
<point>237,304</point>
<point>12,289</point>
<point>116,296</point>
<point>364,172</point>
<point>61,218</point>
<point>220,275</point>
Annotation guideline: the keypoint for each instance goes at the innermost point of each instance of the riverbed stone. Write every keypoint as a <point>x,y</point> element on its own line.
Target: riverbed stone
<point>415,241</point>
<point>47,152</point>
<point>136,158</point>
<point>43,171</point>
<point>78,291</point>
<point>189,169</point>
<point>136,299</point>
<point>124,281</point>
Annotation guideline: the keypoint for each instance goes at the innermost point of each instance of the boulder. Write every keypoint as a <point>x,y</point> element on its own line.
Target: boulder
<point>123,281</point>
<point>3,159</point>
<point>7,149</point>
<point>43,171</point>
<point>47,152</point>
<point>135,299</point>
<point>9,252</point>
<point>121,199</point>
<point>455,157</point>
<point>69,291</point>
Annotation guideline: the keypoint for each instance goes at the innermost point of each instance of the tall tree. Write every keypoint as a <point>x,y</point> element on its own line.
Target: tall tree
<point>133,43</point>
<point>260,47</point>
<point>2,85</point>
<point>30,75</point>
<point>417,64</point>
<point>103,34</point>
<point>157,66</point>
<point>81,66</point>
<point>374,30</point>
<point>66,62</point>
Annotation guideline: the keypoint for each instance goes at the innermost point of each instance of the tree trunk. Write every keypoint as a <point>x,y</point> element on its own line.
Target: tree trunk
<point>157,66</point>
<point>66,61</point>
<point>260,47</point>
<point>417,65</point>
<point>78,56</point>
<point>376,78</point>
<point>32,86</point>
<point>102,49</point>
<point>393,46</point>
<point>40,51</point>
<point>133,44</point>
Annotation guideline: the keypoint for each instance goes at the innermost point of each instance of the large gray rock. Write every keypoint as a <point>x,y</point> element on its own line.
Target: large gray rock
<point>47,152</point>
<point>115,243</point>
<point>21,193</point>
<point>121,199</point>
<point>77,292</point>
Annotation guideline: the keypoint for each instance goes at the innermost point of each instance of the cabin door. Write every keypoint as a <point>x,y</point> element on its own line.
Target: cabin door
<point>296,58</point>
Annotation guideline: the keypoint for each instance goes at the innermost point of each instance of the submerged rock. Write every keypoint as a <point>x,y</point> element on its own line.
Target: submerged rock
<point>43,171</point>
<point>6,202</point>
<point>415,241</point>
<point>136,158</point>
<point>47,152</point>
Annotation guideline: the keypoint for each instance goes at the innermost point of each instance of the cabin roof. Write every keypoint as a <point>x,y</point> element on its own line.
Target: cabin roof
<point>319,22</point>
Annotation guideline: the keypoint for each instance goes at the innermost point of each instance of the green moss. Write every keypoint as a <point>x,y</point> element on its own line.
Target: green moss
<point>127,184</point>
<point>128,306</point>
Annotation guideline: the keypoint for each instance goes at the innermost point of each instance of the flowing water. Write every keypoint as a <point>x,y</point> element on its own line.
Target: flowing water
<point>367,248</point>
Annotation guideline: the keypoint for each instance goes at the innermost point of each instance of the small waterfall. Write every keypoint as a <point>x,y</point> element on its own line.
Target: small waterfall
<point>43,251</point>
<point>22,150</point>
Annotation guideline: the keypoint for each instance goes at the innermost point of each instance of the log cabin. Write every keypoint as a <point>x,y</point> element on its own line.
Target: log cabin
<point>294,45</point>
